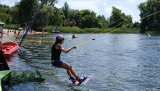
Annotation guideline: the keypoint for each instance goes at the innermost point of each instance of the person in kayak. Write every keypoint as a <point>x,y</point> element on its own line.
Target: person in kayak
<point>56,61</point>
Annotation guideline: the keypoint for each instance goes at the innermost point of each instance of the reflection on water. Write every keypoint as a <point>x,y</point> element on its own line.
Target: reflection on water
<point>117,62</point>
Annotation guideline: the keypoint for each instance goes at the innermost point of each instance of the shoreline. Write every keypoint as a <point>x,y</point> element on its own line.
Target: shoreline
<point>42,33</point>
<point>11,34</point>
<point>30,32</point>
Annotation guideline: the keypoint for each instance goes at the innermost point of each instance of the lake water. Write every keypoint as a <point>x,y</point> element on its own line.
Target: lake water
<point>116,62</point>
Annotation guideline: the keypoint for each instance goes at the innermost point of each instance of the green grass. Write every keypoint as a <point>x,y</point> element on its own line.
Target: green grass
<point>92,30</point>
<point>153,32</point>
<point>71,30</point>
<point>85,30</point>
<point>13,26</point>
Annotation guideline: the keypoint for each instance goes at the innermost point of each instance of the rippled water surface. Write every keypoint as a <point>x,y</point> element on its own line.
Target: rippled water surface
<point>116,62</point>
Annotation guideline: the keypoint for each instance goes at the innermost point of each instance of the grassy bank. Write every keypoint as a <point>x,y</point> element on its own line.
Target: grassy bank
<point>13,26</point>
<point>92,30</point>
<point>153,32</point>
<point>85,30</point>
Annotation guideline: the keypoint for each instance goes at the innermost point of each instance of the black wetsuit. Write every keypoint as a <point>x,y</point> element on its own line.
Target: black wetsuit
<point>55,56</point>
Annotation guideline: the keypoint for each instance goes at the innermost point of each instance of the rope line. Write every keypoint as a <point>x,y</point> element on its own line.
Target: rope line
<point>149,15</point>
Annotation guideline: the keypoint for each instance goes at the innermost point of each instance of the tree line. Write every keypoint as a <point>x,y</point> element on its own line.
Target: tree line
<point>150,15</point>
<point>4,13</point>
<point>49,15</point>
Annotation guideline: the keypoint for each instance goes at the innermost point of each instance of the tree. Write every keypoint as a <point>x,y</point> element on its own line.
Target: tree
<point>57,18</point>
<point>78,18</point>
<point>150,15</point>
<point>4,14</point>
<point>136,25</point>
<point>14,13</point>
<point>119,19</point>
<point>116,18</point>
<point>26,9</point>
<point>51,2</point>
<point>88,19</point>
<point>102,21</point>
<point>65,10</point>
<point>43,18</point>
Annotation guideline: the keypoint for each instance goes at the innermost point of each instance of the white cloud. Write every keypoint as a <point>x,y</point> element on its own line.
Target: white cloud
<point>124,9</point>
<point>136,1</point>
<point>108,10</point>
<point>131,0</point>
<point>57,5</point>
<point>104,3</point>
<point>9,2</point>
<point>5,2</point>
<point>127,8</point>
<point>84,4</point>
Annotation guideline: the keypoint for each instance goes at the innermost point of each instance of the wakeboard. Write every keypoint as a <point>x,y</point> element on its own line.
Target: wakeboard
<point>85,80</point>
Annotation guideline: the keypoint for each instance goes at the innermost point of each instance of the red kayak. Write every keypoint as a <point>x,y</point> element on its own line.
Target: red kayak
<point>9,48</point>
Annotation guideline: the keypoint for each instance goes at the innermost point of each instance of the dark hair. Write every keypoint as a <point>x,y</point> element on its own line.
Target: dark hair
<point>59,39</point>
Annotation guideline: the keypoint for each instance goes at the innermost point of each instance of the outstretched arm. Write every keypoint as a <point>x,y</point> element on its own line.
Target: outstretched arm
<point>65,50</point>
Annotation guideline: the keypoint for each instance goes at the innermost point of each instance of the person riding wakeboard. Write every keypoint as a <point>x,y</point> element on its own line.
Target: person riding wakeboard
<point>57,62</point>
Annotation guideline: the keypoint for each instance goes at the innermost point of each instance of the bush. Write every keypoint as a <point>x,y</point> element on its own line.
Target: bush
<point>49,29</point>
<point>92,30</point>
<point>17,26</point>
<point>71,30</point>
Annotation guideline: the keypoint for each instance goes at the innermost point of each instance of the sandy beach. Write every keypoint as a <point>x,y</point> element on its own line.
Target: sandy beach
<point>10,34</point>
<point>12,31</point>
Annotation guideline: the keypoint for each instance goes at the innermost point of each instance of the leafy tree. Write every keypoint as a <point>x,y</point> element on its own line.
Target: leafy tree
<point>49,15</point>
<point>4,14</point>
<point>150,15</point>
<point>57,18</point>
<point>88,19</point>
<point>14,13</point>
<point>78,18</point>
<point>119,19</point>
<point>102,21</point>
<point>65,10</point>
<point>136,25</point>
<point>51,2</point>
<point>115,18</point>
<point>43,18</point>
<point>26,9</point>
<point>4,6</point>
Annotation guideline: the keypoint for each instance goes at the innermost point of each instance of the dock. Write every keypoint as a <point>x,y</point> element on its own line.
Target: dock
<point>3,74</point>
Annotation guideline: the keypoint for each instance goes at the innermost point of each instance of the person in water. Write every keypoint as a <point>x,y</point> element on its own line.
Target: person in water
<point>56,61</point>
<point>73,36</point>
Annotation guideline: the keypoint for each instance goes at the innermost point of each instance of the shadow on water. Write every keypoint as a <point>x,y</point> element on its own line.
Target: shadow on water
<point>117,62</point>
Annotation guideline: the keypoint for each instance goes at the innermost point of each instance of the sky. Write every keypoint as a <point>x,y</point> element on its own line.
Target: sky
<point>101,7</point>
